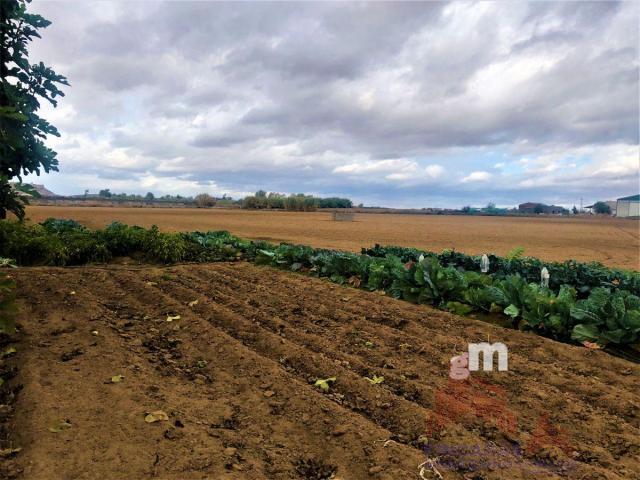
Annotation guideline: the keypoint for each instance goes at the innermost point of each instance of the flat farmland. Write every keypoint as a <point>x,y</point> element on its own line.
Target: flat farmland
<point>614,242</point>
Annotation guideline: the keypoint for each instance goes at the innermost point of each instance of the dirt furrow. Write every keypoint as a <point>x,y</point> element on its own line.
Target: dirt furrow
<point>398,415</point>
<point>421,360</point>
<point>249,336</point>
<point>248,412</point>
<point>235,375</point>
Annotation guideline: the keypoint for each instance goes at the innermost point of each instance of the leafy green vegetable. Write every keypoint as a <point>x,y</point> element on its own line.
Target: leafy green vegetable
<point>582,333</point>
<point>439,284</point>
<point>607,317</point>
<point>485,298</point>
<point>459,308</point>
<point>512,311</point>
<point>549,313</point>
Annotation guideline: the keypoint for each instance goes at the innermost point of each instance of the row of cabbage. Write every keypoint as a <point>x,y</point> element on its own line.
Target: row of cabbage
<point>577,302</point>
<point>604,314</point>
<point>582,276</point>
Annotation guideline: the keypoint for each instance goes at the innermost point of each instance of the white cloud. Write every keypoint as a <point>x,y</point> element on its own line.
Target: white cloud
<point>380,167</point>
<point>478,176</point>
<point>396,171</point>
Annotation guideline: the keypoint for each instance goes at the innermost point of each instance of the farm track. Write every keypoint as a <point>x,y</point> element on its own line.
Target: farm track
<point>249,408</point>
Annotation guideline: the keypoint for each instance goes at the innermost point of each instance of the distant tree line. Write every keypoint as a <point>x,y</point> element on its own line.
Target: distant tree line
<point>297,202</point>
<point>107,193</point>
<point>202,200</point>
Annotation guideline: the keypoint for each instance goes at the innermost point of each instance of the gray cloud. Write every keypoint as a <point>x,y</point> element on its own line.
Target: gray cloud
<point>287,92</point>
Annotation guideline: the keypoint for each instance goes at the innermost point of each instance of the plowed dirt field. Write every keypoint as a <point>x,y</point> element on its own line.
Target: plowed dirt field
<point>235,375</point>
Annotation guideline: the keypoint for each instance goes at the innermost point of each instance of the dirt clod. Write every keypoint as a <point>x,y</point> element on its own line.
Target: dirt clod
<point>70,355</point>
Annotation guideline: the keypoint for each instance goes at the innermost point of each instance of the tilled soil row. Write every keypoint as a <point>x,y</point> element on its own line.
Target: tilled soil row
<point>235,376</point>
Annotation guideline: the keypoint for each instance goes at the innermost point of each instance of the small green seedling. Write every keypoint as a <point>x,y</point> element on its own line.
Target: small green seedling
<point>375,380</point>
<point>324,384</point>
<point>60,426</point>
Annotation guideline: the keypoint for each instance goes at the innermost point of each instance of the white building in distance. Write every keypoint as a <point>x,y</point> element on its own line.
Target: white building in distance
<point>628,206</point>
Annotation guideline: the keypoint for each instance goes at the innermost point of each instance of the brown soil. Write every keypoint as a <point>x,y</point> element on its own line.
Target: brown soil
<point>235,375</point>
<point>614,242</point>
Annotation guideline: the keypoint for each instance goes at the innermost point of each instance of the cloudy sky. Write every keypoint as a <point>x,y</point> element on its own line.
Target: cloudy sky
<point>395,104</point>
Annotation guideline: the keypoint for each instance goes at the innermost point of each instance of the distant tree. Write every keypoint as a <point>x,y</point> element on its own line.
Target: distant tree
<point>334,202</point>
<point>574,210</point>
<point>294,202</point>
<point>204,200</point>
<point>466,209</point>
<point>275,200</point>
<point>539,208</point>
<point>149,196</point>
<point>22,86</point>
<point>602,208</point>
<point>250,202</point>
<point>226,201</point>
<point>106,193</point>
<point>309,204</point>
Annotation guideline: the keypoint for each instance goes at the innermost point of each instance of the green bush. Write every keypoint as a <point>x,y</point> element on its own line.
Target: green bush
<point>121,239</point>
<point>30,244</point>
<point>165,247</point>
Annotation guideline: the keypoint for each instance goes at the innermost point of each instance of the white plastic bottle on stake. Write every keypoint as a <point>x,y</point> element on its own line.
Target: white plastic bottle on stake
<point>484,264</point>
<point>544,277</point>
